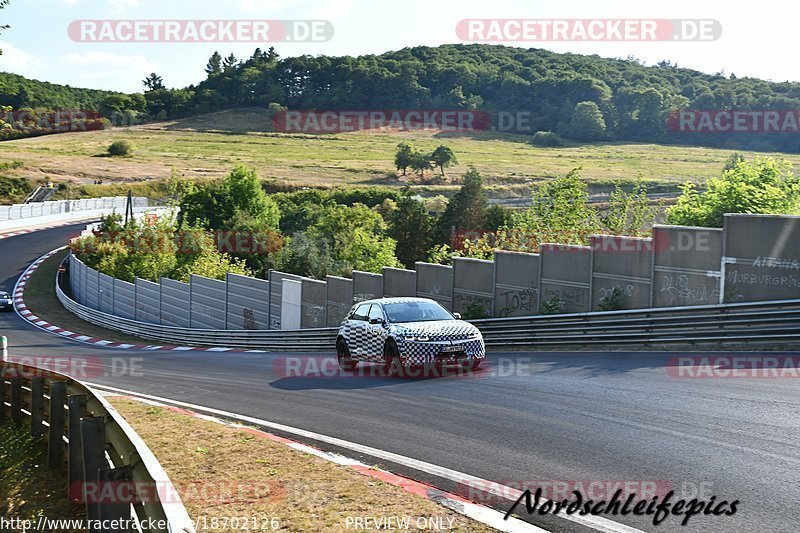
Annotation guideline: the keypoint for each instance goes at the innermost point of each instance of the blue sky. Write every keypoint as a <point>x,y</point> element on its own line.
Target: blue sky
<point>758,41</point>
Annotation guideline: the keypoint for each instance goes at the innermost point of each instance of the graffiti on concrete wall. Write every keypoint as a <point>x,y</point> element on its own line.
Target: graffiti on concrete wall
<point>571,297</point>
<point>678,289</point>
<point>517,300</point>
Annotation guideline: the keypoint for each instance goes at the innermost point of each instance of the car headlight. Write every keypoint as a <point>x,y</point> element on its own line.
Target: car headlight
<point>474,335</point>
<point>416,338</point>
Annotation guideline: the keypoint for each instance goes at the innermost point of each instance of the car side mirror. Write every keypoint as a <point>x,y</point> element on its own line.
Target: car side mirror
<point>457,315</point>
<point>376,320</point>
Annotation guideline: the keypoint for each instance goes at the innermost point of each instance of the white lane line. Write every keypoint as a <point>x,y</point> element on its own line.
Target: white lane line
<point>597,523</point>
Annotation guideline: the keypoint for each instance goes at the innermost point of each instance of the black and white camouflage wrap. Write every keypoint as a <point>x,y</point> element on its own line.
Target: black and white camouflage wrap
<point>419,343</point>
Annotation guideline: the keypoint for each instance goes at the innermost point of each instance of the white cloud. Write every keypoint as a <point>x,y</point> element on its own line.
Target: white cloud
<point>19,61</point>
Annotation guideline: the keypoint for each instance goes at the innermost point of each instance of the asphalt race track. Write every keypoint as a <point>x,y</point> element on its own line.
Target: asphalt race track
<point>540,416</point>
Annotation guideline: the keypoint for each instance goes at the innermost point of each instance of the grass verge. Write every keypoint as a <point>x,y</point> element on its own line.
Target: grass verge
<point>223,472</point>
<point>28,489</point>
<point>40,297</point>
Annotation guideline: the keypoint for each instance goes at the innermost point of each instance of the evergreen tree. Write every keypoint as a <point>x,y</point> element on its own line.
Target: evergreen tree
<point>467,209</point>
<point>214,65</point>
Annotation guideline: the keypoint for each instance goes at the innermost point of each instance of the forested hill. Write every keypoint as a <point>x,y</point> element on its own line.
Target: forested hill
<point>586,98</point>
<point>19,92</point>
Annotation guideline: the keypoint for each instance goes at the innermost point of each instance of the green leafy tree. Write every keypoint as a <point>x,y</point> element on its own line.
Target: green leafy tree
<point>443,157</point>
<point>765,186</point>
<point>403,157</point>
<point>239,197</point>
<point>420,162</point>
<point>345,238</point>
<point>559,212</point>
<point>629,213</point>
<point>587,123</point>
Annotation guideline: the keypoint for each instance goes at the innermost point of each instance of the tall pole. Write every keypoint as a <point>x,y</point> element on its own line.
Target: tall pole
<point>129,208</point>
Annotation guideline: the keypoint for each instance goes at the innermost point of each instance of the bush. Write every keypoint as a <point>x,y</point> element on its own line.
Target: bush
<point>613,301</point>
<point>121,149</point>
<point>765,186</point>
<point>547,138</point>
<point>474,311</point>
<point>552,306</point>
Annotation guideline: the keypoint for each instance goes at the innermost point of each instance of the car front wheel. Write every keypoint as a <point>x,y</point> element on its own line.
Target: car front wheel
<point>391,359</point>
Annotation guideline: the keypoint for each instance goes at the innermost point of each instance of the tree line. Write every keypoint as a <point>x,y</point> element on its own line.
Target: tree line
<point>585,98</point>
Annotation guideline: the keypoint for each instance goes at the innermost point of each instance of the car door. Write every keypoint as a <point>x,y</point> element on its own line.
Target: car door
<point>376,334</point>
<point>357,330</point>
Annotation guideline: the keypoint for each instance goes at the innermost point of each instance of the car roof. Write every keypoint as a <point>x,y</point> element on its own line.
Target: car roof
<point>395,300</point>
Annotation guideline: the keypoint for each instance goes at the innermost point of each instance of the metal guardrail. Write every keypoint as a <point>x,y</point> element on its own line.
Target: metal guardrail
<point>57,207</point>
<point>84,431</point>
<point>772,322</point>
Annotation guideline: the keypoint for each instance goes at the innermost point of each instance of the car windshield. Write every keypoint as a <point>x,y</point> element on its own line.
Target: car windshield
<point>4,295</point>
<point>416,312</point>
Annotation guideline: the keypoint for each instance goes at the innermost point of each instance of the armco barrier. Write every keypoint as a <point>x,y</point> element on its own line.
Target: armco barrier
<point>22,215</point>
<point>773,323</point>
<point>81,429</point>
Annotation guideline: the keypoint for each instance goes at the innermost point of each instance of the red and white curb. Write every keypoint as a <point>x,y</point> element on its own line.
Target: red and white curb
<point>20,232</point>
<point>25,313</point>
<point>459,504</point>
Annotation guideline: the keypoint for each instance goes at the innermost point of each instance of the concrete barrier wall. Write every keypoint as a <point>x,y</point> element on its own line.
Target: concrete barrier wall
<point>124,299</point>
<point>276,295</point>
<point>208,303</point>
<point>291,304</point>
<point>339,299</point>
<point>623,263</point>
<point>314,293</point>
<point>762,257</point>
<point>175,298</point>
<point>473,287</point>
<point>248,302</point>
<point>92,288</point>
<point>76,277</point>
<point>435,282</point>
<point>366,286</point>
<point>148,301</point>
<point>516,284</point>
<point>686,265</point>
<point>105,293</point>
<point>399,282</point>
<point>566,277</point>
<point>756,256</point>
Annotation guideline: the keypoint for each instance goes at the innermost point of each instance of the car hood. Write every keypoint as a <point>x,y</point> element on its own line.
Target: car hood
<point>436,329</point>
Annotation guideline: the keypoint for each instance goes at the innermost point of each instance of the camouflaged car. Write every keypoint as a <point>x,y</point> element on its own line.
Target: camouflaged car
<point>407,332</point>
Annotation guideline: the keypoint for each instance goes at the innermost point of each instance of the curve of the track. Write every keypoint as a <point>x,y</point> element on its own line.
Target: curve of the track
<point>561,416</point>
